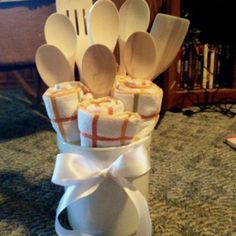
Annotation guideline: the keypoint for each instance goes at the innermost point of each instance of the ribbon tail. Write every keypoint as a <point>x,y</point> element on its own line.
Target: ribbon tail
<point>72,194</point>
<point>140,203</point>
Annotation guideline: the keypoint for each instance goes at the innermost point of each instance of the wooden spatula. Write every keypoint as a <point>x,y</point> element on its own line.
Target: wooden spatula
<point>169,33</point>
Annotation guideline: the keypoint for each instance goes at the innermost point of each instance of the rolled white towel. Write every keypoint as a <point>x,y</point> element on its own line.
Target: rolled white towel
<point>61,103</point>
<point>106,124</point>
<point>138,95</point>
<point>107,105</point>
<point>141,96</point>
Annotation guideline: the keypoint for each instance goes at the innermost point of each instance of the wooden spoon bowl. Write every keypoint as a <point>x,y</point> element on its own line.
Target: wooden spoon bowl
<point>99,70</point>
<point>140,55</point>
<point>134,16</point>
<point>103,24</point>
<point>59,31</point>
<point>52,65</point>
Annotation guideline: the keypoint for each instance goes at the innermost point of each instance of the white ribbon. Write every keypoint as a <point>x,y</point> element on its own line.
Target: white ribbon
<point>82,177</point>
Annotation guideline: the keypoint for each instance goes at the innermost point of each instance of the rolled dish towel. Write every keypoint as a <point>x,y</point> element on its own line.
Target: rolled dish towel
<point>107,105</point>
<point>103,122</point>
<point>61,103</point>
<point>141,96</point>
<point>138,95</point>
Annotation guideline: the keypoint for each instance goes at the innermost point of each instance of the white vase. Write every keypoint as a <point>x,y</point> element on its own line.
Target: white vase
<point>108,211</point>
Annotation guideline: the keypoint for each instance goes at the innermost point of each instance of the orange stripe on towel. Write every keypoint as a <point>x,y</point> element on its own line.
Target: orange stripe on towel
<point>94,130</point>
<point>62,93</point>
<point>56,114</point>
<point>110,110</point>
<point>123,131</point>
<point>60,120</point>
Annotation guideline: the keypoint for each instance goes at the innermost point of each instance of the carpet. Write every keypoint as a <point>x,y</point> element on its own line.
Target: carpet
<point>192,182</point>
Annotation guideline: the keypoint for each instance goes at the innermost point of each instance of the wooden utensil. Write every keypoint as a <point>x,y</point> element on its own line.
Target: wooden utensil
<point>99,70</point>
<point>169,33</point>
<point>103,24</point>
<point>52,65</point>
<point>140,55</point>
<point>76,11</point>
<point>59,31</point>
<point>134,16</point>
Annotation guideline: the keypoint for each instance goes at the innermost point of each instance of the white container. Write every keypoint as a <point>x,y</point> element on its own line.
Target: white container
<point>108,211</point>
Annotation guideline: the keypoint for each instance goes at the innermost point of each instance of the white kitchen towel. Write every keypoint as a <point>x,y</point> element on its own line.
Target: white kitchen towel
<point>61,103</point>
<point>107,105</point>
<point>142,96</point>
<point>107,125</point>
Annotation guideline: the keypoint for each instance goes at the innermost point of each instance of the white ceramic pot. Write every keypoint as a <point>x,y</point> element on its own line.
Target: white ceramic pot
<point>108,211</point>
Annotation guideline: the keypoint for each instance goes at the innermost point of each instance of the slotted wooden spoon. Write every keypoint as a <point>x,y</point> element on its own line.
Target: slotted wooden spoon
<point>76,11</point>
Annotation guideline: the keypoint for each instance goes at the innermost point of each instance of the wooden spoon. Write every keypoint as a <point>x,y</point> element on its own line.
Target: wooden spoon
<point>99,70</point>
<point>52,65</point>
<point>134,16</point>
<point>103,24</point>
<point>140,55</point>
<point>169,33</point>
<point>59,31</point>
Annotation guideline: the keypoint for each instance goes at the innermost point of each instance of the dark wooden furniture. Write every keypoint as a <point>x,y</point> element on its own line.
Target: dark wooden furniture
<point>182,98</point>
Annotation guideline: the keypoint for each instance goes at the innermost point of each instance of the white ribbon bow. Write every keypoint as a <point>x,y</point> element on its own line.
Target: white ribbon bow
<point>82,177</point>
